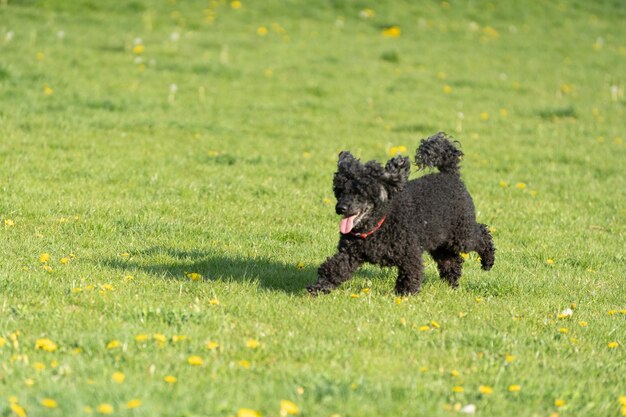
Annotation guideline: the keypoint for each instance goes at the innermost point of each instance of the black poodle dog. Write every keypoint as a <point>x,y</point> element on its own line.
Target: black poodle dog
<point>390,221</point>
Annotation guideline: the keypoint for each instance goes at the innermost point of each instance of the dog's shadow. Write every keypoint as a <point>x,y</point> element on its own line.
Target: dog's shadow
<point>176,264</point>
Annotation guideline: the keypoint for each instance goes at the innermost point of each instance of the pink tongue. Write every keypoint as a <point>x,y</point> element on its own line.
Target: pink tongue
<point>346,224</point>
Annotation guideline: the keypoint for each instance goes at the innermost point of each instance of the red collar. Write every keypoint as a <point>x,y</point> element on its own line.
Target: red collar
<point>366,234</point>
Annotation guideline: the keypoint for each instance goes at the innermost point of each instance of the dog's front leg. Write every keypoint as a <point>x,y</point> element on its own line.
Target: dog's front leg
<point>410,275</point>
<point>334,271</point>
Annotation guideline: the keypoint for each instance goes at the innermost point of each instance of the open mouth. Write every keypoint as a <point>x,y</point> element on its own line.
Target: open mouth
<point>348,222</point>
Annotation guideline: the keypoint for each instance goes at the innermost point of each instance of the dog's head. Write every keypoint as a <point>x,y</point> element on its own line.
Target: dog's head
<point>364,191</point>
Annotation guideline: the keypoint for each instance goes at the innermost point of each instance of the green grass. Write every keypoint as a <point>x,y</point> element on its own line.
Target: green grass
<point>230,177</point>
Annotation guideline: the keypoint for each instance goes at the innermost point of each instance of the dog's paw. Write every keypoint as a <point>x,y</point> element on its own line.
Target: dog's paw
<point>317,289</point>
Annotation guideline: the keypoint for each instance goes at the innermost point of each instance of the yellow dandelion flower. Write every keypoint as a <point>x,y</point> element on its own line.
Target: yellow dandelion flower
<point>465,256</point>
<point>288,408</point>
<point>118,377</point>
<point>194,276</point>
<point>583,324</point>
<point>395,150</point>
<point>458,389</point>
<point>563,330</point>
<point>44,257</point>
<point>509,358</point>
<point>3,341</point>
<point>125,255</point>
<point>300,265</point>
<point>247,412</point>
<point>424,328</point>
<point>9,223</point>
<point>49,403</point>
<point>503,112</point>
<point>47,268</point>
<point>252,343</point>
<point>139,49</point>
<point>503,184</point>
<point>160,338</point>
<point>107,287</point>
<point>367,13</point>
<point>490,33</point>
<point>195,360</point>
<point>214,302</point>
<point>29,382</point>
<point>611,312</point>
<point>365,290</point>
<point>613,345</point>
<point>392,32</point>
<point>454,373</point>
<point>398,300</point>
<point>45,344</point>
<point>64,260</point>
<point>170,379</point>
<point>515,388</point>
<point>244,364</point>
<point>39,366</point>
<point>236,4</point>
<point>262,31</point>
<point>326,201</point>
<point>447,89</point>
<point>113,344</point>
<point>47,90</point>
<point>142,337</point>
<point>434,324</point>
<point>354,295</point>
<point>566,88</point>
<point>211,345</point>
<point>179,338</point>
<point>559,403</point>
<point>17,409</point>
<point>520,185</point>
<point>423,369</point>
<point>484,116</point>
<point>134,403</point>
<point>550,261</point>
<point>485,389</point>
<point>622,399</point>
<point>104,408</point>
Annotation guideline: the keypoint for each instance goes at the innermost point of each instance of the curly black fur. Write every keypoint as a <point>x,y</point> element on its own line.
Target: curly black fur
<point>438,152</point>
<point>434,214</point>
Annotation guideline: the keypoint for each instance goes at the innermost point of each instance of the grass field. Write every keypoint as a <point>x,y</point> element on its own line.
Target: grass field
<point>165,181</point>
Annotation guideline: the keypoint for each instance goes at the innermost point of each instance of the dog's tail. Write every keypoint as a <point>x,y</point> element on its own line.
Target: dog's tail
<point>440,152</point>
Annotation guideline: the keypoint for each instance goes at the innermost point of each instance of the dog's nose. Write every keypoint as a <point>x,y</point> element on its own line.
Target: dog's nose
<point>341,208</point>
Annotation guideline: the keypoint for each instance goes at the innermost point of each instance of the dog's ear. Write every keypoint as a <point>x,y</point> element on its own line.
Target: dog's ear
<point>345,158</point>
<point>396,173</point>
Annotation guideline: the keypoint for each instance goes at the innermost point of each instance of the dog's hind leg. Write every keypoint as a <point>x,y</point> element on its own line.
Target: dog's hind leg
<point>410,275</point>
<point>484,247</point>
<point>449,264</point>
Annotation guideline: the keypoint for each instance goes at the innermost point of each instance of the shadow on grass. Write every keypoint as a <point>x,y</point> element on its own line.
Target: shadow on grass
<point>169,263</point>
